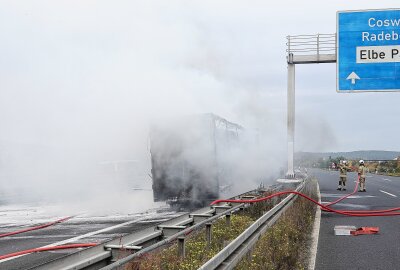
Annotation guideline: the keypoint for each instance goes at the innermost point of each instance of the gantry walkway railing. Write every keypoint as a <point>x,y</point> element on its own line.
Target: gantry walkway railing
<point>307,49</point>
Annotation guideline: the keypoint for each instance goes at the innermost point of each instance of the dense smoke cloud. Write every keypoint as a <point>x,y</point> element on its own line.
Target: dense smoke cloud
<point>81,81</point>
<point>82,84</point>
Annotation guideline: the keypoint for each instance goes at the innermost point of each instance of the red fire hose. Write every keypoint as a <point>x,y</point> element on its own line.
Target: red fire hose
<point>363,213</point>
<point>346,196</point>
<point>23,252</point>
<point>35,228</point>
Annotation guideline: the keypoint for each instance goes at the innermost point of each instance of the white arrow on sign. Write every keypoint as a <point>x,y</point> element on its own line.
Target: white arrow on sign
<point>353,77</point>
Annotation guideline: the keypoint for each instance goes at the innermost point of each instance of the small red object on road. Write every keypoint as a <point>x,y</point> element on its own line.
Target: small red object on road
<point>365,230</point>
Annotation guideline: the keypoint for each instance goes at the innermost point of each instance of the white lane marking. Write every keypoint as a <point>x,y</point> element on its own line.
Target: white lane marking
<point>385,179</point>
<point>82,236</point>
<point>390,194</point>
<point>315,234</point>
<point>351,205</point>
<point>327,195</point>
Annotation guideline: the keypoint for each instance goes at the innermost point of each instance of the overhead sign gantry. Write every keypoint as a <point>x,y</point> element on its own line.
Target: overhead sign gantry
<point>304,49</point>
<point>368,50</point>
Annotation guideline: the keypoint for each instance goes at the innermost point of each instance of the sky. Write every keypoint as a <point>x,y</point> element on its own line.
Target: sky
<point>83,80</point>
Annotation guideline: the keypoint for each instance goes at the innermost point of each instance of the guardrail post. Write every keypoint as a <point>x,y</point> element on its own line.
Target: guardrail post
<point>228,220</point>
<point>181,247</point>
<point>208,233</point>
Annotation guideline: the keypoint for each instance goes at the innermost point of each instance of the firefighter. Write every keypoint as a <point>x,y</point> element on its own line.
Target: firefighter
<point>342,174</point>
<point>362,170</point>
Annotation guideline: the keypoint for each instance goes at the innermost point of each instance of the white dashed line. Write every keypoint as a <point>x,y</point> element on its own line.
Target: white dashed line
<point>390,194</point>
<point>385,179</point>
<point>326,195</point>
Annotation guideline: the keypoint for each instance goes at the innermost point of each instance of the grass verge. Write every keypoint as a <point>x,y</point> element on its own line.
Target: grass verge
<point>198,252</point>
<point>285,245</point>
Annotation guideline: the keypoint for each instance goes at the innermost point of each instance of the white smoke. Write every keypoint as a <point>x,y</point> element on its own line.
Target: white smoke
<point>80,82</point>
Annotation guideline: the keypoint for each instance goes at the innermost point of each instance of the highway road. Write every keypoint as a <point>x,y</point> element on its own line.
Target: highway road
<point>80,229</point>
<point>86,227</point>
<point>381,251</point>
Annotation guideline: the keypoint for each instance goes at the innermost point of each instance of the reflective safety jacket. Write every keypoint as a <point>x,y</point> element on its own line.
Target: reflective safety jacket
<point>362,170</point>
<point>343,170</point>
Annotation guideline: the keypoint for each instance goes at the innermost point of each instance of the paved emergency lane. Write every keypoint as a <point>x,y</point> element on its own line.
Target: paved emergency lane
<point>365,251</point>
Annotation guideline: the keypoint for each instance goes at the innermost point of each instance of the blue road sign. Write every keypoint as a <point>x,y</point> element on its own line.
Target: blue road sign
<point>368,56</point>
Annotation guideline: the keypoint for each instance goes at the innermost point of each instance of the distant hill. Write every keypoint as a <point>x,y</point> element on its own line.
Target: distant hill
<point>366,155</point>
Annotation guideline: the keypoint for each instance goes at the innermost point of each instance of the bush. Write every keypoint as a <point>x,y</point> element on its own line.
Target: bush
<point>258,209</point>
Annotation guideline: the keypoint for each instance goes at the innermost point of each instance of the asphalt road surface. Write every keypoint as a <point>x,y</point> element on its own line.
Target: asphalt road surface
<point>80,229</point>
<point>380,251</point>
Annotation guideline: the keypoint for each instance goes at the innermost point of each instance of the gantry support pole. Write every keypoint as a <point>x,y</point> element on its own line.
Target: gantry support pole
<point>290,115</point>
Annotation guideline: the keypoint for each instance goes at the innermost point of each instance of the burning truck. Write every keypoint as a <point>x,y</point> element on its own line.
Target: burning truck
<point>190,158</point>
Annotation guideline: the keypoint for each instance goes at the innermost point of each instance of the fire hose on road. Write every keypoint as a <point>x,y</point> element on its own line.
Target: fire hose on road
<point>325,207</point>
<point>23,252</point>
<point>35,228</point>
<point>360,213</point>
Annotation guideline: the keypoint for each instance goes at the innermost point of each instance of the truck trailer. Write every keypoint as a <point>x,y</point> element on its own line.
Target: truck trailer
<point>190,158</point>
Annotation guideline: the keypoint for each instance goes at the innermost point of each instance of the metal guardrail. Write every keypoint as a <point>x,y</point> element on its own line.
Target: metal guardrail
<point>141,242</point>
<point>170,239</point>
<point>95,255</point>
<point>231,255</point>
<point>188,230</point>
